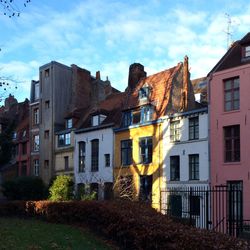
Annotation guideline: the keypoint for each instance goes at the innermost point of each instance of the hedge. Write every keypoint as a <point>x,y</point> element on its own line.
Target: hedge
<point>131,225</point>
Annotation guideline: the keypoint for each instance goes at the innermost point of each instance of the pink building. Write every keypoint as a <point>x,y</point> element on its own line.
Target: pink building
<point>230,128</point>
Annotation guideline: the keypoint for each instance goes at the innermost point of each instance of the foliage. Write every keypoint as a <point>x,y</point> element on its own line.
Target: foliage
<point>20,234</point>
<point>62,188</point>
<point>6,143</point>
<point>84,193</point>
<point>131,224</point>
<point>25,188</point>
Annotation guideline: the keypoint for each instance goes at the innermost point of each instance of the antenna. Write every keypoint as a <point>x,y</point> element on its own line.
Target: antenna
<point>229,29</point>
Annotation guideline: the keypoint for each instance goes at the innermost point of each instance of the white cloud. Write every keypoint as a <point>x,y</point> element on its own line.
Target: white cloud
<point>110,35</point>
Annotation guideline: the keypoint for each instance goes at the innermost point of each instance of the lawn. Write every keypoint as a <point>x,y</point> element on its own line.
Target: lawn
<point>33,234</point>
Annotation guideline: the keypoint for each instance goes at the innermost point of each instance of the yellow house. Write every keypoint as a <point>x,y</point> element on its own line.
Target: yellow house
<point>145,164</point>
<point>138,156</point>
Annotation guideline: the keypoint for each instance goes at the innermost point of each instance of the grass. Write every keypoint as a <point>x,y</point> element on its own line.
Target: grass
<point>33,234</point>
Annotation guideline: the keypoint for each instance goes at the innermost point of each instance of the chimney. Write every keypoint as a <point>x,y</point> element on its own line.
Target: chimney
<point>136,73</point>
<point>185,83</point>
<point>98,75</point>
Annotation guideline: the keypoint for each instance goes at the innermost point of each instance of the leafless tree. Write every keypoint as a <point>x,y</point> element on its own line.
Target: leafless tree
<point>12,8</point>
<point>124,186</point>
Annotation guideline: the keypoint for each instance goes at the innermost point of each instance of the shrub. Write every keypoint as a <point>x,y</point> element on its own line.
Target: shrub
<point>132,225</point>
<point>62,188</point>
<point>25,188</point>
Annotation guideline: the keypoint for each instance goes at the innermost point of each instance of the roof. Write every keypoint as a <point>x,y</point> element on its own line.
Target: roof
<point>233,57</point>
<point>200,84</point>
<point>160,88</point>
<point>111,107</point>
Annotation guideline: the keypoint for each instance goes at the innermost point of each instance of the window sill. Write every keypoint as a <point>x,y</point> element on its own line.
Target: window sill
<point>232,163</point>
<point>231,112</point>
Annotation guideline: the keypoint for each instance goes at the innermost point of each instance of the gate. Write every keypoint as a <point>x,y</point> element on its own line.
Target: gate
<point>216,208</point>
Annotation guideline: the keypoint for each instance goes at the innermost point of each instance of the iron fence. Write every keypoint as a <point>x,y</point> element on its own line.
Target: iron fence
<point>218,208</point>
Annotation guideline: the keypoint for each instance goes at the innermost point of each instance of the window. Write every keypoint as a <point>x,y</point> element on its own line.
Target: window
<point>127,119</point>
<point>14,135</point>
<point>232,94</point>
<point>94,155</point>
<point>46,104</point>
<point>136,117</point>
<point>36,167</point>
<point>194,167</point>
<point>175,131</point>
<point>67,139</point>
<point>69,123</point>
<point>174,168</point>
<point>108,190</point>
<point>126,152</point>
<point>247,51</point>
<point>63,140</point>
<point>175,205</point>
<point>36,143</point>
<point>46,134</point>
<point>235,200</point>
<point>24,134</point>
<point>81,164</point>
<point>66,162</point>
<point>46,72</point>
<point>36,116</point>
<point>46,164</point>
<point>98,119</point>
<point>94,189</point>
<point>146,148</point>
<point>145,187</point>
<point>194,128</point>
<point>24,148</point>
<point>146,113</point>
<point>144,93</point>
<point>195,205</point>
<point>232,143</point>
<point>107,160</point>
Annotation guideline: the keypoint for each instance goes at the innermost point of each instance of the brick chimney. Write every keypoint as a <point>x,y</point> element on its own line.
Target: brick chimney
<point>136,72</point>
<point>98,75</point>
<point>185,84</point>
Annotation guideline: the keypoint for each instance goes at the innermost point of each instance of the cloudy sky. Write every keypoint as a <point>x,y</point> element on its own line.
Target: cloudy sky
<point>109,35</point>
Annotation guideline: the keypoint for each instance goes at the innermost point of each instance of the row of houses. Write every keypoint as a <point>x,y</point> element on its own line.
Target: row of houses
<point>152,137</point>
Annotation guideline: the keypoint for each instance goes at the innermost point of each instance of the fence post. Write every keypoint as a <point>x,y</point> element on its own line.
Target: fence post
<point>207,211</point>
<point>190,206</point>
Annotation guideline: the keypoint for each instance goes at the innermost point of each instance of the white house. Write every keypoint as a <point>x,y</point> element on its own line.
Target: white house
<point>93,158</point>
<point>94,147</point>
<point>186,162</point>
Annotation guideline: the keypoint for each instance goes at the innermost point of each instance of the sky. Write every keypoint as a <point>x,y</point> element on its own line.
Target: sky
<point>109,35</point>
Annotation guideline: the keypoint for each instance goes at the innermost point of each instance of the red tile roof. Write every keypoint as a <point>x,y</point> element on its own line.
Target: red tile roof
<point>160,89</point>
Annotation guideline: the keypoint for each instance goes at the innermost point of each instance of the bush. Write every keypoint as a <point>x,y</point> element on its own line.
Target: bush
<point>132,225</point>
<point>25,188</point>
<point>62,188</point>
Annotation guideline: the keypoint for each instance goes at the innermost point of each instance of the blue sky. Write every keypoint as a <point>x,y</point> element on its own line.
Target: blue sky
<point>109,35</point>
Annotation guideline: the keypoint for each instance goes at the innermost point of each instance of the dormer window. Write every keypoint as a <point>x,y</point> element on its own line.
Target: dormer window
<point>144,93</point>
<point>247,51</point>
<point>98,119</point>
<point>69,123</point>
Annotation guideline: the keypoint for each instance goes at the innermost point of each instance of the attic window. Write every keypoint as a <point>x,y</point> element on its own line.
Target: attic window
<point>247,51</point>
<point>98,119</point>
<point>144,93</point>
<point>69,123</point>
